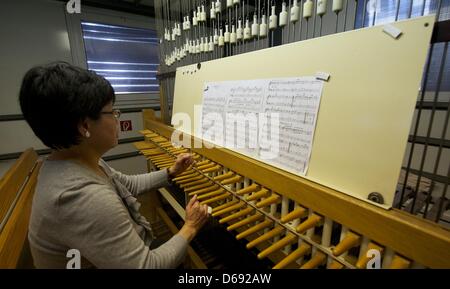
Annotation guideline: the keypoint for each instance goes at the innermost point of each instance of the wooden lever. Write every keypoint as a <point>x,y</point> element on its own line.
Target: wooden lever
<point>350,240</point>
<point>226,205</point>
<point>223,177</point>
<point>265,237</point>
<point>335,265</point>
<point>215,199</point>
<point>160,162</point>
<point>148,156</point>
<point>172,150</point>
<point>317,260</point>
<point>250,189</point>
<point>175,149</point>
<point>211,194</point>
<point>399,263</point>
<point>244,222</point>
<point>207,166</point>
<point>161,158</point>
<point>181,178</point>
<point>295,214</point>
<point>288,239</point>
<point>199,164</point>
<point>188,171</point>
<point>189,180</point>
<point>212,169</point>
<point>236,215</point>
<point>254,229</point>
<point>258,195</point>
<point>308,223</point>
<point>229,209</point>
<point>159,139</point>
<point>362,262</point>
<point>180,151</point>
<point>153,153</point>
<point>164,166</point>
<point>232,180</point>
<point>205,190</point>
<point>198,187</point>
<point>302,250</point>
<point>194,183</point>
<point>269,201</point>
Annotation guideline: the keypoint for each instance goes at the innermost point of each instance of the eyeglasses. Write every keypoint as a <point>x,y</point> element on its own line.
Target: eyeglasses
<point>115,112</point>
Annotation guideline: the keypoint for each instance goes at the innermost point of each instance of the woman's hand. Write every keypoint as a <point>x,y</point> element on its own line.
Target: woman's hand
<point>196,216</point>
<point>182,162</point>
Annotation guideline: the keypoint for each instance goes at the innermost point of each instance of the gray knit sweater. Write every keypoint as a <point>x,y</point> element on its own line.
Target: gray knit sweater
<point>74,208</point>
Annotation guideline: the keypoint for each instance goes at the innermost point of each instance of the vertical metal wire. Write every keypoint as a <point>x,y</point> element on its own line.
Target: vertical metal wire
<point>364,13</point>
<point>444,190</point>
<point>300,19</point>
<point>430,125</point>
<point>374,16</point>
<point>268,9</point>
<point>413,141</point>
<point>337,22</point>
<point>410,8</point>
<point>345,14</point>
<point>354,15</point>
<point>423,7</point>
<point>416,126</point>
<point>314,20</point>
<point>397,10</point>
<point>289,23</point>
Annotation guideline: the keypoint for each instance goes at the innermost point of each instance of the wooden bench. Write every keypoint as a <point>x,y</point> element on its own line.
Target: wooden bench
<point>16,194</point>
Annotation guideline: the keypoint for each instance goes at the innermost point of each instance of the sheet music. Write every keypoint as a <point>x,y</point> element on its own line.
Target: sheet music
<point>214,101</point>
<point>244,103</point>
<point>292,102</point>
<point>297,102</point>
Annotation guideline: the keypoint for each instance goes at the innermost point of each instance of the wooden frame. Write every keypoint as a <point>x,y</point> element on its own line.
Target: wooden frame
<point>423,241</point>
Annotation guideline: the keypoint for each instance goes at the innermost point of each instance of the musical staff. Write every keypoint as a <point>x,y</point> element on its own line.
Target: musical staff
<point>249,108</point>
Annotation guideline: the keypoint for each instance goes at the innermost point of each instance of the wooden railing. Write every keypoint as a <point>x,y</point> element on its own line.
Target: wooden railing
<point>16,194</point>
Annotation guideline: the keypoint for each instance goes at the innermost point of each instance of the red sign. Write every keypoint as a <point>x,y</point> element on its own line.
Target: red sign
<point>125,125</point>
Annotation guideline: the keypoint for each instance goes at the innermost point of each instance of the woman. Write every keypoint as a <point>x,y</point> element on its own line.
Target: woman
<point>80,202</point>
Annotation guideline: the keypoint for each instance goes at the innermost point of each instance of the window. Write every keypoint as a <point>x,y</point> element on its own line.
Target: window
<point>127,57</point>
<point>385,11</point>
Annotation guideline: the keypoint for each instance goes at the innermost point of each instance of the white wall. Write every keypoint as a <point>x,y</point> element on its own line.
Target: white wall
<point>35,32</point>
<point>32,33</point>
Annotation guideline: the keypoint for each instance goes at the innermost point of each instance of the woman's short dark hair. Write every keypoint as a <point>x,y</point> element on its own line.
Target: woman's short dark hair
<point>54,98</point>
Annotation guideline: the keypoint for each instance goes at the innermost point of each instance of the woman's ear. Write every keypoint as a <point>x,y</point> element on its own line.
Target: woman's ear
<point>83,128</point>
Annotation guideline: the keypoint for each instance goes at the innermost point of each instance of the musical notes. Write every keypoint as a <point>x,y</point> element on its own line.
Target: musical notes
<point>297,103</point>
<point>249,108</point>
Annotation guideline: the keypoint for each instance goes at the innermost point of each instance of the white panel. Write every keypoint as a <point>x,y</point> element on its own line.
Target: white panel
<point>366,107</point>
<point>32,33</point>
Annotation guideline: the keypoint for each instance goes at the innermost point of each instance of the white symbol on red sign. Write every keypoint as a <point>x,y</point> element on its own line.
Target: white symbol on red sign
<point>125,125</point>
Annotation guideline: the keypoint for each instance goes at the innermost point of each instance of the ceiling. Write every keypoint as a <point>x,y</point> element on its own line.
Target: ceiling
<point>140,7</point>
